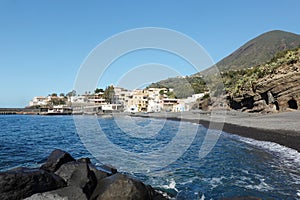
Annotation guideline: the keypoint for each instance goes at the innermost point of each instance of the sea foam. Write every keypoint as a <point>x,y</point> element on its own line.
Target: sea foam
<point>289,156</point>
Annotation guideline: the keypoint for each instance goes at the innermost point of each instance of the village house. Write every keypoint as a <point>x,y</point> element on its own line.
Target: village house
<point>38,101</point>
<point>138,101</point>
<point>97,98</point>
<point>168,105</point>
<point>154,99</point>
<point>122,97</point>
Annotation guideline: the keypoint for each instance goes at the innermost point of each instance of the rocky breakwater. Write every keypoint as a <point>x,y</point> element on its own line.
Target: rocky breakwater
<point>272,87</point>
<point>64,178</point>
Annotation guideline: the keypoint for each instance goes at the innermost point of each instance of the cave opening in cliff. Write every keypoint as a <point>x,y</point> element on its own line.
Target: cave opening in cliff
<point>293,104</point>
<point>277,105</point>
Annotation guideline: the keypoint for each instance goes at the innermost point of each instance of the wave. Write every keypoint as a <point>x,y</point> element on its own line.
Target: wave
<point>172,185</point>
<point>290,156</point>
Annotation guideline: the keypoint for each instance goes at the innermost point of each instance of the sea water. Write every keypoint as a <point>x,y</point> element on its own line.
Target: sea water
<point>234,166</point>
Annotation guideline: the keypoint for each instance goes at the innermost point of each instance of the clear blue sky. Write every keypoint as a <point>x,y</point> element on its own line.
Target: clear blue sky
<point>43,43</point>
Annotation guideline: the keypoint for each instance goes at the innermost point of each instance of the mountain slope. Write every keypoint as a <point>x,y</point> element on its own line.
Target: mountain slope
<point>259,50</point>
<point>255,52</point>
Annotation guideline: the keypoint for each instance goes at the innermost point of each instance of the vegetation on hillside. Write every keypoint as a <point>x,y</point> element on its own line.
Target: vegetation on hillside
<point>234,82</point>
<point>238,69</point>
<point>183,86</point>
<point>240,81</point>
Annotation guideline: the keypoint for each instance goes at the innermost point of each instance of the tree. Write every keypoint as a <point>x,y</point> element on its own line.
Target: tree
<point>171,95</point>
<point>53,95</point>
<point>71,94</point>
<point>108,94</point>
<point>161,92</point>
<point>98,90</point>
<point>61,94</point>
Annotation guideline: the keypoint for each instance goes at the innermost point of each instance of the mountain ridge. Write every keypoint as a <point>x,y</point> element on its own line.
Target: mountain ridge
<point>260,49</point>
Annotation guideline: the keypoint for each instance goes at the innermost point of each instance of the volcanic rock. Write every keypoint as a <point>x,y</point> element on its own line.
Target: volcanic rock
<point>120,186</point>
<point>56,159</point>
<point>20,183</point>
<point>78,174</point>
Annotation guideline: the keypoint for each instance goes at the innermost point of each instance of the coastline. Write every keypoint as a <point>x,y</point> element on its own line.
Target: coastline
<point>281,128</point>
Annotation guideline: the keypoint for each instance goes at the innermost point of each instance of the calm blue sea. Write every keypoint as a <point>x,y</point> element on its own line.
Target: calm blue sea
<point>235,166</point>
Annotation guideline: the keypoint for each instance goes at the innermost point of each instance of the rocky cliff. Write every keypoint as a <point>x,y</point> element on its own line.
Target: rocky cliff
<point>272,87</point>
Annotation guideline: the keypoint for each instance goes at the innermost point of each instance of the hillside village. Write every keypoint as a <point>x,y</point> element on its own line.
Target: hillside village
<point>113,99</point>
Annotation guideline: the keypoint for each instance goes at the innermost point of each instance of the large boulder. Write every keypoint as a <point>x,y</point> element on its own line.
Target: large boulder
<point>67,193</point>
<point>78,174</point>
<point>56,159</point>
<point>120,187</point>
<point>99,174</point>
<point>20,183</point>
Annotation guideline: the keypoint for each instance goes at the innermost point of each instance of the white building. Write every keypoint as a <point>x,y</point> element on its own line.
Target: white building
<point>169,104</point>
<point>108,108</point>
<point>154,106</point>
<point>194,98</point>
<point>38,101</point>
<point>79,99</point>
<point>179,108</point>
<point>122,96</point>
<point>154,99</point>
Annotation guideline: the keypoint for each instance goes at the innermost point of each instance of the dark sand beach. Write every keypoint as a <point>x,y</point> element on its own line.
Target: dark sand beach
<point>282,128</point>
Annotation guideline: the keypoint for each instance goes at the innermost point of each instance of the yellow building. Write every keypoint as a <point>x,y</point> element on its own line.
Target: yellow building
<point>138,101</point>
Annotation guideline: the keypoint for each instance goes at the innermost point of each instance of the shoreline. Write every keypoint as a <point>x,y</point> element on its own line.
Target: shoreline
<point>280,128</point>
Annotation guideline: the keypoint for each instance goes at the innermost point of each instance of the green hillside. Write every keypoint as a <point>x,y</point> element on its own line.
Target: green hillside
<point>255,52</point>
<point>183,86</point>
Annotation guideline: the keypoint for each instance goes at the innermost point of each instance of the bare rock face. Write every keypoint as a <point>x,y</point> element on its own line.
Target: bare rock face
<point>283,89</point>
<point>20,183</point>
<point>279,91</point>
